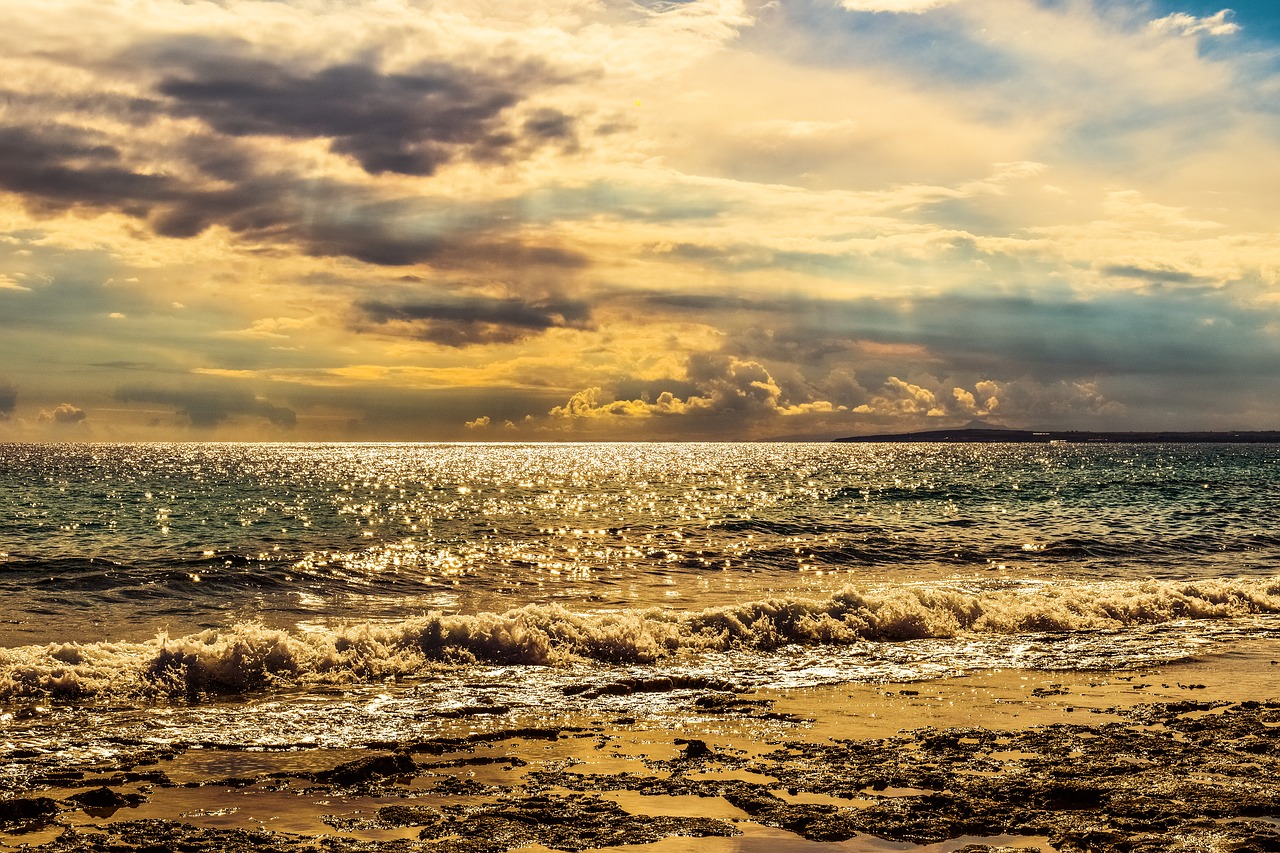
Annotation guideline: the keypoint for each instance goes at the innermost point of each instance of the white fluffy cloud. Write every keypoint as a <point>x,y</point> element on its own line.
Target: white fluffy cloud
<point>1182,24</point>
<point>726,385</point>
<point>63,414</point>
<point>902,398</point>
<point>983,403</point>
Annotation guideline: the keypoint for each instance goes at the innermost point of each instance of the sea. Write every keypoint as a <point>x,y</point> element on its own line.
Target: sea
<point>340,595</point>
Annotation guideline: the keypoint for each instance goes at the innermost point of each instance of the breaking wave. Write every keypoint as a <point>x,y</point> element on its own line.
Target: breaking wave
<point>247,657</point>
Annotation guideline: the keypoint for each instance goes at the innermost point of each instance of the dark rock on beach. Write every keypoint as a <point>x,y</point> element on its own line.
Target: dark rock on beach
<point>693,748</point>
<point>105,798</point>
<point>367,769</point>
<point>26,810</point>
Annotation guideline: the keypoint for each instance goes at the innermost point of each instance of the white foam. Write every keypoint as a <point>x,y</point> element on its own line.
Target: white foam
<point>249,656</point>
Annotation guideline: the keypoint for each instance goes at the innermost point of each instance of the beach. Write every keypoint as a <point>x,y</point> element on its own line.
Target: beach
<point>1180,757</point>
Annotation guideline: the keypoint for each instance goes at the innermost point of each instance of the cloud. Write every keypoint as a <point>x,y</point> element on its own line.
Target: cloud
<point>227,139</point>
<point>983,403</point>
<point>272,328</point>
<point>63,414</point>
<point>912,6</point>
<point>409,123</point>
<point>587,403</point>
<point>900,398</point>
<point>1021,401</point>
<point>1156,274</point>
<point>1030,355</point>
<point>1182,24</point>
<point>743,396</point>
<point>464,322</point>
<point>733,384</point>
<point>8,400</point>
<point>726,386</point>
<point>1078,401</point>
<point>552,125</point>
<point>384,235</point>
<point>60,166</point>
<point>208,408</point>
<point>484,422</point>
<point>57,166</point>
<point>1190,327</point>
<point>842,387</point>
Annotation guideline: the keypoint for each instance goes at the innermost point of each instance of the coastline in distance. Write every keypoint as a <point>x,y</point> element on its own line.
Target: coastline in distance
<point>988,434</point>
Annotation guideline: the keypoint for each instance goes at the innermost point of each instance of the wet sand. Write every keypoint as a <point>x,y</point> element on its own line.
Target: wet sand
<point>1180,758</point>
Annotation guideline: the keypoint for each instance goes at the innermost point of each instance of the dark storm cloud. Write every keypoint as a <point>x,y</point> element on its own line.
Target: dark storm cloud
<point>384,235</point>
<point>475,320</point>
<point>409,123</point>
<point>135,109</point>
<point>261,206</point>
<point>208,407</point>
<point>61,167</point>
<point>552,126</point>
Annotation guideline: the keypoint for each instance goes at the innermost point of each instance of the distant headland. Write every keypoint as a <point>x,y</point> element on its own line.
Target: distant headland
<point>991,435</point>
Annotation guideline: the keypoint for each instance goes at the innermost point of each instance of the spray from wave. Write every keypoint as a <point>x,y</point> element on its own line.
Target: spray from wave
<point>246,657</point>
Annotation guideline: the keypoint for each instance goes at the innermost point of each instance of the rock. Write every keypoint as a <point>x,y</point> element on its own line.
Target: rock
<point>366,769</point>
<point>27,810</point>
<point>1069,797</point>
<point>693,748</point>
<point>105,798</point>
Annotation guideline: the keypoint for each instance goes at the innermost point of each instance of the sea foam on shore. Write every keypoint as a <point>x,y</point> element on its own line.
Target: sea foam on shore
<point>249,656</point>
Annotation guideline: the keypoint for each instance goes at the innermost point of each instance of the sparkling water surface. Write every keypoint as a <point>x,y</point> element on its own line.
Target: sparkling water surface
<point>179,569</point>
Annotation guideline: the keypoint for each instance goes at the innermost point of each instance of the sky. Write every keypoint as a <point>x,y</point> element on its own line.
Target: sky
<point>564,220</point>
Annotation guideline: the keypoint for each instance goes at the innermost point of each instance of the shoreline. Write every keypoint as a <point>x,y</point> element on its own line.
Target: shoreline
<point>1167,758</point>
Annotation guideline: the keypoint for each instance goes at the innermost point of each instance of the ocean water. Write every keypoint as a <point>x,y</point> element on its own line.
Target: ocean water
<point>340,594</point>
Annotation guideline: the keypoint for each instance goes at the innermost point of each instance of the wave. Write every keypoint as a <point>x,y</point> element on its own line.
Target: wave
<point>247,657</point>
<point>208,576</point>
